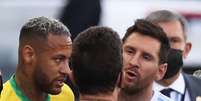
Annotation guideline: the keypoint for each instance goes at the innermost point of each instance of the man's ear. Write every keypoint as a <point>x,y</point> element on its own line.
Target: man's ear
<point>161,71</point>
<point>187,49</point>
<point>28,54</point>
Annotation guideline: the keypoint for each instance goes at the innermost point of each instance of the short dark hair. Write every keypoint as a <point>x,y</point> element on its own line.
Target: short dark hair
<point>96,60</point>
<point>40,27</point>
<point>167,16</point>
<point>147,28</point>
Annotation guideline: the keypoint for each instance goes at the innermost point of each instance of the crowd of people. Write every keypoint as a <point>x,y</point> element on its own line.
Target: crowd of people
<point>146,65</point>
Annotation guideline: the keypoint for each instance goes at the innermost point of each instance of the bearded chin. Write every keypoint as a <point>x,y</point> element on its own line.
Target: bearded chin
<point>41,81</point>
<point>133,89</point>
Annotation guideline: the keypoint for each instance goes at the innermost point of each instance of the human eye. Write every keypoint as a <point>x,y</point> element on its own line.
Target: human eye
<point>59,59</point>
<point>175,40</point>
<point>129,51</point>
<point>147,57</point>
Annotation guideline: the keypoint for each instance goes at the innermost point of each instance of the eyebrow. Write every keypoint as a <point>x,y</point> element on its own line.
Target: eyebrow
<point>129,47</point>
<point>146,53</point>
<point>132,48</point>
<point>59,56</point>
<point>69,43</point>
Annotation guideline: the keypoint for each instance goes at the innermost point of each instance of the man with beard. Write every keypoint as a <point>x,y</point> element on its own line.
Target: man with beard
<point>145,49</point>
<point>44,50</point>
<point>175,84</point>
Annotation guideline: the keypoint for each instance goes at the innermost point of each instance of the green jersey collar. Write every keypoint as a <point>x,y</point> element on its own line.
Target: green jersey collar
<point>19,93</point>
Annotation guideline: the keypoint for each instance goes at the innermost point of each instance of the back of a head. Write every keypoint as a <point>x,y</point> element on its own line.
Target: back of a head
<point>37,30</point>
<point>96,60</point>
<point>162,16</point>
<point>147,28</point>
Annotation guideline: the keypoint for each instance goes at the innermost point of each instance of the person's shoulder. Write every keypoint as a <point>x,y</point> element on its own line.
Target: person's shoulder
<point>67,90</point>
<point>8,94</point>
<point>191,78</point>
<point>66,94</point>
<point>6,88</point>
<point>160,97</point>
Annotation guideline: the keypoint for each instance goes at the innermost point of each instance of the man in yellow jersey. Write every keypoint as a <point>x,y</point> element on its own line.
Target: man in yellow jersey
<point>44,50</point>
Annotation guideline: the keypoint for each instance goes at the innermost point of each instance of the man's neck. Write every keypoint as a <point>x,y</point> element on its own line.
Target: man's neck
<point>169,81</point>
<point>28,87</point>
<point>143,95</point>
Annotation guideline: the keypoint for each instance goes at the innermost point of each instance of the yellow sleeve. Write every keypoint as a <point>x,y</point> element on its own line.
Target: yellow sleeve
<point>8,93</point>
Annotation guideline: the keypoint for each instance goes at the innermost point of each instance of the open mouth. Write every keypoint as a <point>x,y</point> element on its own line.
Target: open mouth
<point>132,74</point>
<point>59,82</point>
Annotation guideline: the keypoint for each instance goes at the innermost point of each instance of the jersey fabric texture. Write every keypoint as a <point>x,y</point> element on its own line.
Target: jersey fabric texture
<point>11,92</point>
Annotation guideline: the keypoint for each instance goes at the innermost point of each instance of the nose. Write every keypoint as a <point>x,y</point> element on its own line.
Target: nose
<point>65,69</point>
<point>134,61</point>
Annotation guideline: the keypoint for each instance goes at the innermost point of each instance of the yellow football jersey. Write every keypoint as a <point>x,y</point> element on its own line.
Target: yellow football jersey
<point>11,92</point>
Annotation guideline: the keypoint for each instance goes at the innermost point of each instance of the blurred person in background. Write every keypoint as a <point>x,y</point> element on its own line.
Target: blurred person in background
<point>145,50</point>
<point>97,64</point>
<point>176,84</point>
<point>79,15</point>
<point>44,50</point>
